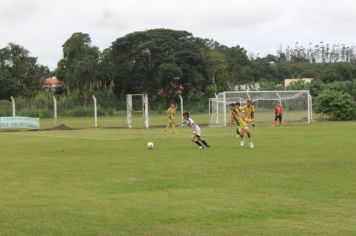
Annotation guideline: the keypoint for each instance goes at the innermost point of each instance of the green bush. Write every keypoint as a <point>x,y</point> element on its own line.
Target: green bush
<point>81,105</point>
<point>338,105</point>
<point>270,85</point>
<point>40,113</point>
<point>79,111</point>
<point>5,108</point>
<point>298,85</point>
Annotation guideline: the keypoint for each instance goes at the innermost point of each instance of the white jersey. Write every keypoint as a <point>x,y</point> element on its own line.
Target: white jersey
<point>191,123</point>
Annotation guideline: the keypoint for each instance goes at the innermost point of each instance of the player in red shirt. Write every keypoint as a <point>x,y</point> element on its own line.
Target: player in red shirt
<point>278,110</point>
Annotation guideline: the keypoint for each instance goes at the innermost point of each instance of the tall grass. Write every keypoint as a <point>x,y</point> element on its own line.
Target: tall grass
<point>78,104</point>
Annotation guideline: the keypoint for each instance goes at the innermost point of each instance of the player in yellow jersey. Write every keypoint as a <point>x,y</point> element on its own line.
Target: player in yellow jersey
<point>249,111</point>
<point>171,113</point>
<point>238,117</point>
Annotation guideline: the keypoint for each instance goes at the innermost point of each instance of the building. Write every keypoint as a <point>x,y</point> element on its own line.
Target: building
<point>52,84</point>
<point>288,82</point>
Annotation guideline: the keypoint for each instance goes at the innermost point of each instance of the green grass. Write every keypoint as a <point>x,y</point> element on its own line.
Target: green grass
<point>299,180</point>
<point>119,121</point>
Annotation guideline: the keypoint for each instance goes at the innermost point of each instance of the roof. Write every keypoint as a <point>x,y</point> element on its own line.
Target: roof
<point>52,81</point>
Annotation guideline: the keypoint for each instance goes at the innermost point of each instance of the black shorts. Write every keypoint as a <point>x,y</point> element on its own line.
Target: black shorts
<point>279,118</point>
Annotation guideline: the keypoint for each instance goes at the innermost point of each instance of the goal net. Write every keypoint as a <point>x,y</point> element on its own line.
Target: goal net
<point>297,105</point>
<point>137,107</point>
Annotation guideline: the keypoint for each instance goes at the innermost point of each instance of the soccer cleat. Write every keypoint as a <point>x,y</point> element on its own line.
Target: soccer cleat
<point>242,143</point>
<point>201,147</point>
<point>251,145</point>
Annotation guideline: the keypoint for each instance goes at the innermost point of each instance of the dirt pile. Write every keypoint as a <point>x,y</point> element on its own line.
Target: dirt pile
<point>60,127</point>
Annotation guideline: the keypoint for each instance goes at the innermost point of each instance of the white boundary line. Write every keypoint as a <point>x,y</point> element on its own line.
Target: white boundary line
<point>102,139</point>
<point>64,136</point>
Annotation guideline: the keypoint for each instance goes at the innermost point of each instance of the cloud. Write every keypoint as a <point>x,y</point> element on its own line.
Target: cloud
<point>16,12</point>
<point>224,14</point>
<point>42,26</point>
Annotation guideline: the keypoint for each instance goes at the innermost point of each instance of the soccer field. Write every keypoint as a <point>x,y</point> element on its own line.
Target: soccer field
<point>299,180</point>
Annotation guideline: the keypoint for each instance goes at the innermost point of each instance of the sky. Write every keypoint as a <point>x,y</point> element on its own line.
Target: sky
<point>260,26</point>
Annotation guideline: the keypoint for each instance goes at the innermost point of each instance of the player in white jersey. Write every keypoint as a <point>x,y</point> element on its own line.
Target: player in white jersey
<point>196,137</point>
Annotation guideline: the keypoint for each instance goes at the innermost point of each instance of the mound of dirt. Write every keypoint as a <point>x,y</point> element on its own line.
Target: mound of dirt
<point>61,127</point>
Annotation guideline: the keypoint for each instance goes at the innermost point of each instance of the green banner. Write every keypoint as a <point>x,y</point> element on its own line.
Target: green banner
<point>19,122</point>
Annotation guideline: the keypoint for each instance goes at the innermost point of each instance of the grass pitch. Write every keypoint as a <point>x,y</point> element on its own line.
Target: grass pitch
<point>298,180</point>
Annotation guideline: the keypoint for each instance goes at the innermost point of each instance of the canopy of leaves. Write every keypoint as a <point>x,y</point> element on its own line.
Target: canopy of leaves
<point>19,72</point>
<point>159,61</point>
<point>338,105</point>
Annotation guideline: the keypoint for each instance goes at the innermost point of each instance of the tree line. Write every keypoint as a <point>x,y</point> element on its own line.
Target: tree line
<point>165,63</point>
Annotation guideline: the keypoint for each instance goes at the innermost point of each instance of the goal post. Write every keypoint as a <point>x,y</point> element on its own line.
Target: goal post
<point>137,103</point>
<point>297,105</point>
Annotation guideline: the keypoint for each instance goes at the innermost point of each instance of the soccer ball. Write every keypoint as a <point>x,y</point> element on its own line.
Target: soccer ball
<point>150,145</point>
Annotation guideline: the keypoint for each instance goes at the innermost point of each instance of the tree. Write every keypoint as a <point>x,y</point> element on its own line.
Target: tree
<point>298,85</point>
<point>338,105</point>
<point>264,70</point>
<point>215,70</point>
<point>147,60</point>
<point>236,58</point>
<point>19,72</point>
<point>80,62</point>
<point>337,72</point>
<point>106,68</point>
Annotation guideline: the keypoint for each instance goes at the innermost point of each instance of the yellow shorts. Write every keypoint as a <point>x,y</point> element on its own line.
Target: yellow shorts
<point>242,124</point>
<point>249,120</point>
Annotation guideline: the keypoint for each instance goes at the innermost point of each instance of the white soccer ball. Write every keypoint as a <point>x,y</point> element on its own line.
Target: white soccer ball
<point>150,145</point>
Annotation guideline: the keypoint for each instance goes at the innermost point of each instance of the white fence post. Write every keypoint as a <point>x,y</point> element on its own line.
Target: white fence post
<point>147,123</point>
<point>217,109</point>
<point>129,110</point>
<point>95,113</point>
<point>13,106</point>
<point>225,119</point>
<point>55,116</point>
<point>310,110</point>
<point>181,106</point>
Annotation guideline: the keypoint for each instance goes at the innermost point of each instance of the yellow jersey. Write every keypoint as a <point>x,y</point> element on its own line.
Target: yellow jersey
<point>237,116</point>
<point>171,112</point>
<point>248,111</point>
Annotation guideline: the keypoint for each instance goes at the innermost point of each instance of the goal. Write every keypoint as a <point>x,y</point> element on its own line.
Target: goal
<point>297,105</point>
<point>137,107</point>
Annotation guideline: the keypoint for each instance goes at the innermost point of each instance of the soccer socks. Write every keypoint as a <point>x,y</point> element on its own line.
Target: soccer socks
<point>242,143</point>
<point>174,127</point>
<point>171,125</point>
<point>199,143</point>
<point>205,143</point>
<point>202,143</point>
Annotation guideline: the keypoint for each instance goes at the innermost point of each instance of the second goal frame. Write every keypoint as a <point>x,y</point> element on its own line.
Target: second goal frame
<point>297,105</point>
<point>143,109</point>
